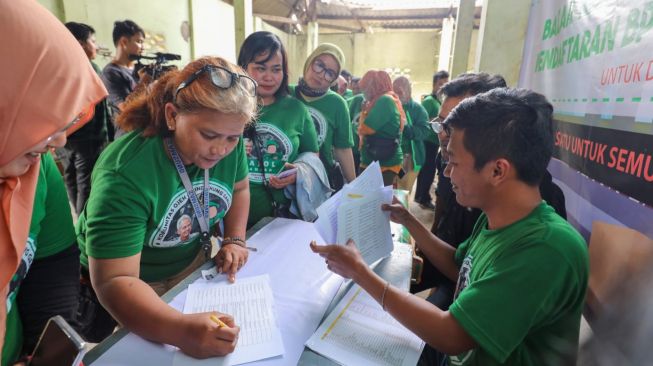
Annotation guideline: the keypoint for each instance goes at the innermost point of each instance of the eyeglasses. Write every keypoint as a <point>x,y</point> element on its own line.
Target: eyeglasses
<point>320,68</point>
<point>221,78</point>
<point>438,125</point>
<point>64,129</point>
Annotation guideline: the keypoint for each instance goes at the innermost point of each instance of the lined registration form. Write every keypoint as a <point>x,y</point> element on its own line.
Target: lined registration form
<point>250,302</point>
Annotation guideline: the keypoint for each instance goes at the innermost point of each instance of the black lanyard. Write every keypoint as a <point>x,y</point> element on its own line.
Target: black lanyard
<point>202,215</point>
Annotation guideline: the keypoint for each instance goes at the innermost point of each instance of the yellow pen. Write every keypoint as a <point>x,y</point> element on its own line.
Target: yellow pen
<point>217,321</point>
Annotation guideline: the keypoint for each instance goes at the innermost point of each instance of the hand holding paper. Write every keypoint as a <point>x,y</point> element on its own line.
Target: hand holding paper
<point>344,260</point>
<point>398,212</point>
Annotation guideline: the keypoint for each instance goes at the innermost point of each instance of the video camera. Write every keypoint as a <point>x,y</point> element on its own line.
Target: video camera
<point>154,69</point>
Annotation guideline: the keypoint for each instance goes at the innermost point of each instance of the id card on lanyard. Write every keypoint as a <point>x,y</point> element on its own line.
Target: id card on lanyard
<point>202,214</point>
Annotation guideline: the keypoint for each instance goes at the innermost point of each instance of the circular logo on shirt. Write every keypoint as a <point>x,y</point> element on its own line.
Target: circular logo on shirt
<point>274,148</point>
<point>179,225</point>
<point>356,120</point>
<point>18,277</point>
<point>320,124</point>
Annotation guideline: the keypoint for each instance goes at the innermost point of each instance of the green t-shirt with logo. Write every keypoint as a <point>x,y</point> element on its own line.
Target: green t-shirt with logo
<point>384,118</point>
<point>432,106</point>
<point>331,118</point>
<point>521,290</point>
<point>284,129</point>
<point>51,231</point>
<point>138,204</point>
<point>355,103</point>
<point>419,129</point>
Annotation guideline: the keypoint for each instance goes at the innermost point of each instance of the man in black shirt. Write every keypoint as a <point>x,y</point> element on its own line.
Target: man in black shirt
<point>118,76</point>
<point>84,146</point>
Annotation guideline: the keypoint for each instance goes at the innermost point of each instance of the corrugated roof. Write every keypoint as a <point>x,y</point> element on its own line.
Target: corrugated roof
<point>359,15</point>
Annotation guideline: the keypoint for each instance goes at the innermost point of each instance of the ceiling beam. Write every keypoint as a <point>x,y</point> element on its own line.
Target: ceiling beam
<point>276,18</point>
<point>385,17</point>
<point>407,26</point>
<point>339,27</point>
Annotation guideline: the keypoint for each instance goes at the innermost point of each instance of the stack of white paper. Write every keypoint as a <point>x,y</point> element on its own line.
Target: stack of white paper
<point>355,213</point>
<point>250,302</point>
<point>358,332</point>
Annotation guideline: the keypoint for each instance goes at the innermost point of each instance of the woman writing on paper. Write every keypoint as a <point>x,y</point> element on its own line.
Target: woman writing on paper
<point>284,128</point>
<point>158,193</point>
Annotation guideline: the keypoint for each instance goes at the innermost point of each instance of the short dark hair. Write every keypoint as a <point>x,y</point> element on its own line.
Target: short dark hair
<point>125,28</point>
<point>346,74</point>
<point>471,84</point>
<point>261,42</point>
<point>440,75</point>
<point>80,31</point>
<point>515,124</point>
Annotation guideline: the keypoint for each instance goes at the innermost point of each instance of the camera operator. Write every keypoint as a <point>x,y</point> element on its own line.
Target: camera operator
<point>118,77</point>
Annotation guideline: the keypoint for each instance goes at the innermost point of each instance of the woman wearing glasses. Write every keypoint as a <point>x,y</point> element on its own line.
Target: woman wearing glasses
<point>183,156</point>
<point>380,125</point>
<point>284,128</point>
<point>328,110</point>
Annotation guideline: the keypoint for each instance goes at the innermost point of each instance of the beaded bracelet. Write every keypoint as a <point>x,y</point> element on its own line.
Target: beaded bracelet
<point>238,241</point>
<point>235,240</point>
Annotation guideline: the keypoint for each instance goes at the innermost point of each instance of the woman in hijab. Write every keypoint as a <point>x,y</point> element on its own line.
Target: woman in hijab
<point>47,89</point>
<point>328,110</point>
<point>380,126</point>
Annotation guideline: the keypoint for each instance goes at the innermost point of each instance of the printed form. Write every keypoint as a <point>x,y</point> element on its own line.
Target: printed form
<point>250,302</point>
<point>358,332</point>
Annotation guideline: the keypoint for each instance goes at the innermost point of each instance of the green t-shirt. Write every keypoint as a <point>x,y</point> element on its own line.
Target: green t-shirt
<point>138,204</point>
<point>331,118</point>
<point>355,104</point>
<point>348,94</point>
<point>521,290</point>
<point>419,131</point>
<point>285,129</point>
<point>432,106</point>
<point>51,231</point>
<point>385,119</point>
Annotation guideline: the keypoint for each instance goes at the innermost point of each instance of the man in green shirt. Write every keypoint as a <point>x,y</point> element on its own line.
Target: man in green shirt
<point>355,105</point>
<point>425,178</point>
<point>522,275</point>
<point>415,131</point>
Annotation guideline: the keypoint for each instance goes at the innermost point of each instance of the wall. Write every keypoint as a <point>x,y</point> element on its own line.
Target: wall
<point>414,50</point>
<point>158,17</point>
<point>55,7</point>
<point>471,61</point>
<point>213,29</point>
<point>500,42</point>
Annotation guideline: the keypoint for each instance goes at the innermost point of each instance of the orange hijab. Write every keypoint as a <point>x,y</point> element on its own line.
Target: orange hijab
<point>46,81</point>
<point>376,83</point>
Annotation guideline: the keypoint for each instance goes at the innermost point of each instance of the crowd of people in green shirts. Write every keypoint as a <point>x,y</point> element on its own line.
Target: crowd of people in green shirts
<point>202,157</point>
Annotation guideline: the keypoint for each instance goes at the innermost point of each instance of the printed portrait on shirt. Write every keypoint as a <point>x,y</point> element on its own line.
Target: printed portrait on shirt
<point>273,146</point>
<point>320,123</point>
<point>179,225</point>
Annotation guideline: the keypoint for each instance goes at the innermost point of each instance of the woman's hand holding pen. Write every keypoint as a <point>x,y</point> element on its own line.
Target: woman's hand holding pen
<point>202,337</point>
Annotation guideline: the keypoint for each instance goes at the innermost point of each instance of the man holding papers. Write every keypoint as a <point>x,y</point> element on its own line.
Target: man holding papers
<point>522,275</point>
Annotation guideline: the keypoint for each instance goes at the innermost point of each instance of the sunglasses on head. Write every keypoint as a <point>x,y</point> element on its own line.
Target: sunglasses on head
<point>222,78</point>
